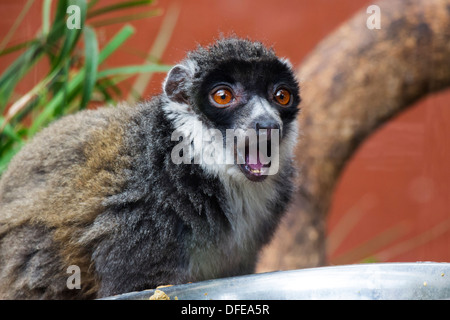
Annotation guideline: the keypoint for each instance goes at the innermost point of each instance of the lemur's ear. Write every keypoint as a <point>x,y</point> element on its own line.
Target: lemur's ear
<point>175,84</point>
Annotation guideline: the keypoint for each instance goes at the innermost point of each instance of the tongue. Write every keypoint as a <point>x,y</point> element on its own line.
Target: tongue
<point>255,167</point>
<point>253,164</point>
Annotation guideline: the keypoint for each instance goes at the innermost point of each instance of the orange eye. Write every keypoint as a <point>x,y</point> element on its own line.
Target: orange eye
<point>222,96</point>
<point>282,96</point>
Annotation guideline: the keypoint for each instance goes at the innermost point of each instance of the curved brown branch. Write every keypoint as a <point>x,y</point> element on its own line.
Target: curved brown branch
<point>353,82</point>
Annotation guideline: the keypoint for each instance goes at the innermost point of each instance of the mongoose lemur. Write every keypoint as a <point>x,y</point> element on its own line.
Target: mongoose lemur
<point>123,194</point>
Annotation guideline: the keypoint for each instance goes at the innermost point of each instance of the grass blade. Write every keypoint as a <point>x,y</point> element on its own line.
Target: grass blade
<point>64,89</point>
<point>16,24</point>
<point>64,80</point>
<point>7,156</point>
<point>118,6</point>
<point>8,130</point>
<point>70,35</point>
<point>91,64</point>
<point>92,3</point>
<point>24,59</point>
<point>16,71</point>
<point>141,68</point>
<point>39,89</point>
<point>18,46</point>
<point>59,23</point>
<point>47,114</point>
<point>46,7</point>
<point>115,42</point>
<point>127,18</point>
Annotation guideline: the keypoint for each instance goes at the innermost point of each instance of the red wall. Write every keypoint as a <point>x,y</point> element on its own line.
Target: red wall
<point>392,202</point>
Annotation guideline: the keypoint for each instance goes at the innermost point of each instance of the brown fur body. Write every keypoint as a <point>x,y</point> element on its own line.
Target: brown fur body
<point>50,194</point>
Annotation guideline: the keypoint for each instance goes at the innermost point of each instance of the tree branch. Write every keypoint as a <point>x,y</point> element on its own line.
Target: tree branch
<point>354,81</point>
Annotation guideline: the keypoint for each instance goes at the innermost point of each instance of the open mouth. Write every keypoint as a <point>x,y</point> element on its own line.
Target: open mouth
<point>256,162</point>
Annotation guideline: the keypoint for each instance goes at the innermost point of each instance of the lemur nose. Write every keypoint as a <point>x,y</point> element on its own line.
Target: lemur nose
<point>267,124</point>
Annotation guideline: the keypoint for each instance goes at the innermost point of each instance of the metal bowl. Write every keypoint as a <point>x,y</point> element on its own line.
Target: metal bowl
<point>377,281</point>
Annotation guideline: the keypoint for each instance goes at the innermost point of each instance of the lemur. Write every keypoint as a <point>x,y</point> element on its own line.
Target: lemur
<point>100,189</point>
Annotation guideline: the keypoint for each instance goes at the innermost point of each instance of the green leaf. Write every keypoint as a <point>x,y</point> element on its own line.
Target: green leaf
<point>46,16</point>
<point>106,84</point>
<point>20,63</point>
<point>91,63</point>
<point>7,156</point>
<point>59,23</point>
<point>12,145</point>
<point>47,114</point>
<point>8,130</point>
<point>92,3</point>
<point>61,11</point>
<point>142,68</point>
<point>127,18</point>
<point>15,72</point>
<point>115,42</point>
<point>71,36</point>
<point>21,107</point>
<point>65,80</point>
<point>18,46</point>
<point>63,89</point>
<point>118,6</point>
<point>17,22</point>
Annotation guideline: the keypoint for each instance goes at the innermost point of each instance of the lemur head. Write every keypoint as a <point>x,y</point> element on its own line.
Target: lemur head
<point>236,86</point>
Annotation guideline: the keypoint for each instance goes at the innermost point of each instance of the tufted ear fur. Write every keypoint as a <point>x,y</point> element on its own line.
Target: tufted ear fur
<point>175,85</point>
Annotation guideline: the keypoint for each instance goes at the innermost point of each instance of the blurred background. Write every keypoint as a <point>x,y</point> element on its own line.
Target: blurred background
<point>392,202</point>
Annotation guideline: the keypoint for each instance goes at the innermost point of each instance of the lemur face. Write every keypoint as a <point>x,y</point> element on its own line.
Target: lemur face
<point>240,86</point>
<point>248,94</point>
<point>259,97</point>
